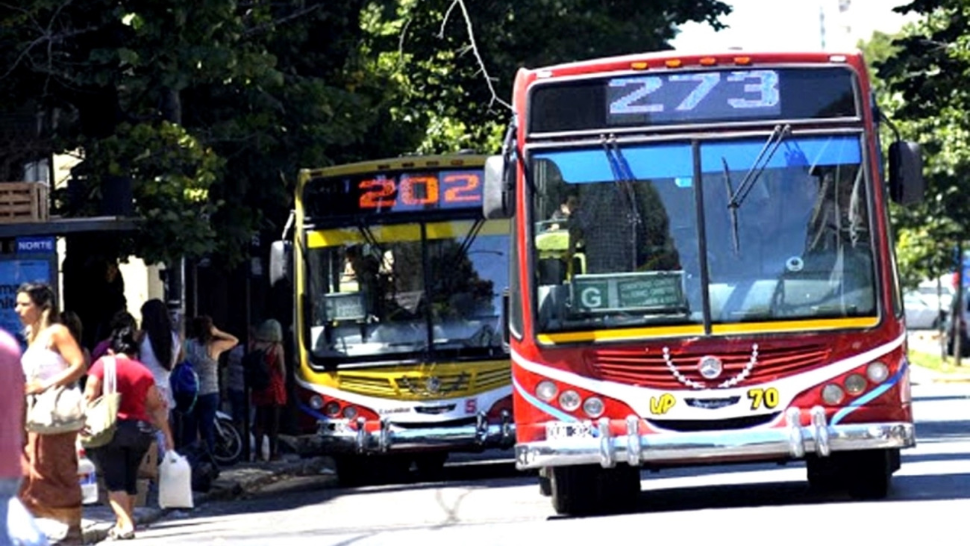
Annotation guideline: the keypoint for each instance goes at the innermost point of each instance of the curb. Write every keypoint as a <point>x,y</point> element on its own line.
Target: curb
<point>957,379</point>
<point>932,376</point>
<point>249,479</point>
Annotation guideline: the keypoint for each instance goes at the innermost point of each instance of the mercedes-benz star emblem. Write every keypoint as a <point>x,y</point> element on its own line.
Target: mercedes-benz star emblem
<point>433,384</point>
<point>710,367</point>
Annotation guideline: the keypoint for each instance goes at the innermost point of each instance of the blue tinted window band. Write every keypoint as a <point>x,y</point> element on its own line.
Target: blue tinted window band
<point>794,152</point>
<point>675,161</point>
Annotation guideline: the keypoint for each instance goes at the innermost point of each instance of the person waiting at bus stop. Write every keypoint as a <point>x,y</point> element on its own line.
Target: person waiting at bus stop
<point>269,401</point>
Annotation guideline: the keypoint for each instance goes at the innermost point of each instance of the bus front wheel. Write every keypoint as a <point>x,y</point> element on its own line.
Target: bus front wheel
<point>868,473</point>
<point>865,474</point>
<point>583,490</point>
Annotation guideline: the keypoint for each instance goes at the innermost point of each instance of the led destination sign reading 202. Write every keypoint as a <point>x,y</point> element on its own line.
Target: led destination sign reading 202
<point>675,97</point>
<point>391,192</point>
<point>704,95</point>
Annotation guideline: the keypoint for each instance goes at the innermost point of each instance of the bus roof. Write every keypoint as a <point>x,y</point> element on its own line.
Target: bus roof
<point>656,59</point>
<point>402,163</point>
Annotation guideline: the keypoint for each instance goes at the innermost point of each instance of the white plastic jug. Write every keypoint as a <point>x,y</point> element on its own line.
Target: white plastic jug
<point>88,477</point>
<point>174,481</point>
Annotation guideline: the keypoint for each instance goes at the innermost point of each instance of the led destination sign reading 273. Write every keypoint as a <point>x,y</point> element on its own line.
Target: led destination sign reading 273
<point>394,192</point>
<point>671,97</point>
<point>704,95</point>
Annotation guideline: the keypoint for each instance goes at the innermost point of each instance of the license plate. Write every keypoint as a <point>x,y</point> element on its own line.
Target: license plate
<point>560,431</point>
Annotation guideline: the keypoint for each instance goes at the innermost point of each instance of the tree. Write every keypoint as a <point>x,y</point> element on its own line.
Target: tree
<point>427,44</point>
<point>210,107</point>
<point>206,106</point>
<point>922,71</point>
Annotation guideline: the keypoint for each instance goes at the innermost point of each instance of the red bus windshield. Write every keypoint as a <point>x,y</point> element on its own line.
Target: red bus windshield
<point>773,229</point>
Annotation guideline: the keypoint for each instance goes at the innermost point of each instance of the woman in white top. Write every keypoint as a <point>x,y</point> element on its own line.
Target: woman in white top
<point>159,348</point>
<point>53,359</point>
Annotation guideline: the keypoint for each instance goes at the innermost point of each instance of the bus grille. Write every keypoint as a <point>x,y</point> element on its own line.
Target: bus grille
<point>426,383</point>
<point>717,424</point>
<point>649,368</point>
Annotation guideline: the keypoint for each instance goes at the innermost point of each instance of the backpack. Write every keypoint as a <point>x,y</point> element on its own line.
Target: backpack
<point>185,386</point>
<point>256,370</point>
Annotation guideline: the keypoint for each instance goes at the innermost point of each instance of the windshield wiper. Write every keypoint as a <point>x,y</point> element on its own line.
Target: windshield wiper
<point>777,136</point>
<point>623,175</point>
<point>469,238</point>
<point>369,237</point>
<point>733,211</point>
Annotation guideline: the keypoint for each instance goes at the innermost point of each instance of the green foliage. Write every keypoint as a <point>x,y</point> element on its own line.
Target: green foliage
<point>171,174</point>
<point>426,43</point>
<point>210,107</point>
<point>921,75</point>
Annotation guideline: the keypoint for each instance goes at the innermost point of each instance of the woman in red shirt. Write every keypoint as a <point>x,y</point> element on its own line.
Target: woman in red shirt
<point>141,409</point>
<point>269,402</point>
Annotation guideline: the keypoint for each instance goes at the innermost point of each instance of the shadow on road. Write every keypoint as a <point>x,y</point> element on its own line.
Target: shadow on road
<point>932,487</point>
<point>942,430</point>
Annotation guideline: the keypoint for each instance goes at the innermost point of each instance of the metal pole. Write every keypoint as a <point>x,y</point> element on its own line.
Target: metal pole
<point>958,310</point>
<point>246,394</point>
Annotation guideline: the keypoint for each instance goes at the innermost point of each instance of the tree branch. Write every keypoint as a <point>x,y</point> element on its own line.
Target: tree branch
<point>474,48</point>
<point>276,22</point>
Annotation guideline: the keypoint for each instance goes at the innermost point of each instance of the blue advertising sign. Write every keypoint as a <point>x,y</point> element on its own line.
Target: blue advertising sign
<point>36,245</point>
<point>13,273</point>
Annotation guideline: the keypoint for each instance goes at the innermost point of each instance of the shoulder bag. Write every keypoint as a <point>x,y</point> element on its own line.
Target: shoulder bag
<point>103,411</point>
<point>55,411</point>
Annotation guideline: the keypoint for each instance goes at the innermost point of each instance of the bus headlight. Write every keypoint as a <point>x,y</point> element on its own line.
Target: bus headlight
<point>593,407</point>
<point>832,394</point>
<point>546,391</point>
<point>877,372</point>
<point>350,412</point>
<point>331,409</point>
<point>855,384</point>
<point>569,400</point>
<point>316,401</point>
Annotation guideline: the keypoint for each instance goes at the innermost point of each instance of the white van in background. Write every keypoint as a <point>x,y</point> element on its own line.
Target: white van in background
<point>938,296</point>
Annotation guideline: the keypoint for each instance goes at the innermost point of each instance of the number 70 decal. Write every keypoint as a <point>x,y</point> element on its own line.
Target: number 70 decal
<point>769,398</point>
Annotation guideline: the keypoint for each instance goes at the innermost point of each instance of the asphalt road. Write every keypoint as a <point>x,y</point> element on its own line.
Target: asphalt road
<point>488,502</point>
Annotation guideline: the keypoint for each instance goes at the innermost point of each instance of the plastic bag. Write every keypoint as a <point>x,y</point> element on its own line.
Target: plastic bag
<point>174,481</point>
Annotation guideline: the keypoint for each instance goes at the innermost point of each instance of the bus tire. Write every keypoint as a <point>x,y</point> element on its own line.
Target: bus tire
<point>545,484</point>
<point>868,473</point>
<point>352,470</point>
<point>430,466</point>
<point>584,490</point>
<point>574,489</point>
<point>824,474</point>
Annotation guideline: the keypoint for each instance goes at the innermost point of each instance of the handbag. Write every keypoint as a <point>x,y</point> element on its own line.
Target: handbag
<point>55,411</point>
<point>103,411</point>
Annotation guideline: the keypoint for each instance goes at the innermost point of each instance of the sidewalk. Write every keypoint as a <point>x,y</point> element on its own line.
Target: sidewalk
<point>919,375</point>
<point>233,482</point>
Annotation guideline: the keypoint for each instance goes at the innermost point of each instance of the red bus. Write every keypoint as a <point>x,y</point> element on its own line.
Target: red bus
<point>703,271</point>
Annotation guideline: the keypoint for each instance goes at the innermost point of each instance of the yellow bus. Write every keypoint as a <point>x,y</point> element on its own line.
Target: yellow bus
<point>398,282</point>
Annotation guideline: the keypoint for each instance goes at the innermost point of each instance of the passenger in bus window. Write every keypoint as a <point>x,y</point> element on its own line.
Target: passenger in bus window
<point>622,227</point>
<point>560,216</point>
<point>362,271</point>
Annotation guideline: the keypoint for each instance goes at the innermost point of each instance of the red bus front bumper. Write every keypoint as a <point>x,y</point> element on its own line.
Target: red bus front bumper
<point>587,442</point>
